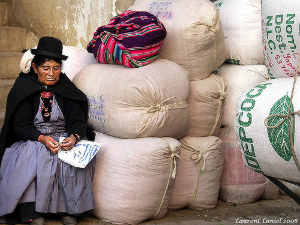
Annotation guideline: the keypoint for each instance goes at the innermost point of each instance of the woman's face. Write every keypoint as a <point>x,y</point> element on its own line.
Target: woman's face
<point>48,73</point>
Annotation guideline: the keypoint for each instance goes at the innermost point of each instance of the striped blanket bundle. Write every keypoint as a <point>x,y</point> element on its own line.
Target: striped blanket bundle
<point>132,39</point>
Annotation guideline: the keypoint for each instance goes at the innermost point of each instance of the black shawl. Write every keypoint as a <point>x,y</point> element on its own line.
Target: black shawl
<point>26,87</point>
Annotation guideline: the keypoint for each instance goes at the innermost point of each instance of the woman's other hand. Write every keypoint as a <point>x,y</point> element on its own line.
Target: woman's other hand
<point>50,143</point>
<point>68,143</point>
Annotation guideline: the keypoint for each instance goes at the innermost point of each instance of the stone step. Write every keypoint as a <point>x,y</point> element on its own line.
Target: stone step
<point>9,64</point>
<point>1,119</point>
<point>3,13</point>
<point>5,86</point>
<point>16,39</point>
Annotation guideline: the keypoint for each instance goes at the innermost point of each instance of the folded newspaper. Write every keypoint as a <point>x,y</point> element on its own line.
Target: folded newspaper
<point>81,154</point>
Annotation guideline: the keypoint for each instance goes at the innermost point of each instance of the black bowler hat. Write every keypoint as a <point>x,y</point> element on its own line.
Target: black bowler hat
<point>49,47</point>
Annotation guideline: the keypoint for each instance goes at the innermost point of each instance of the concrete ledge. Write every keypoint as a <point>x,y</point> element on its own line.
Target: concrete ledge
<point>3,13</point>
<point>12,39</point>
<point>9,64</point>
<point>5,86</point>
<point>2,114</point>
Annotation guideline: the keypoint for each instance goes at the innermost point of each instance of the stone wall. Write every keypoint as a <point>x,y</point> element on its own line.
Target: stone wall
<point>73,21</point>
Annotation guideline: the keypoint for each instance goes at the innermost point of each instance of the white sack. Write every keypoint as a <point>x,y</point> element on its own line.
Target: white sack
<point>280,25</point>
<point>239,78</point>
<point>133,178</point>
<point>241,22</point>
<point>122,5</point>
<point>199,171</point>
<point>150,101</point>
<point>269,149</point>
<point>206,102</point>
<point>239,184</point>
<point>77,59</point>
<point>195,38</point>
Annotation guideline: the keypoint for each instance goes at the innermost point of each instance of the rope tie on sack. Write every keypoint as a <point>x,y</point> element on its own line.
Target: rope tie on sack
<point>153,108</point>
<point>222,96</point>
<point>163,107</point>
<point>172,174</point>
<point>197,156</point>
<point>287,117</point>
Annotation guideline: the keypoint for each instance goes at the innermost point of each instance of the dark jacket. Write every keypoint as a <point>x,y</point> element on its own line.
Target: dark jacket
<point>23,103</point>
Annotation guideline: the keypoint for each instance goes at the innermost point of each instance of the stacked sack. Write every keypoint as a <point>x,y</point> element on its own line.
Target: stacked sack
<point>149,101</point>
<point>195,41</point>
<point>274,110</point>
<point>137,113</point>
<point>241,21</point>
<point>133,110</point>
<point>133,178</point>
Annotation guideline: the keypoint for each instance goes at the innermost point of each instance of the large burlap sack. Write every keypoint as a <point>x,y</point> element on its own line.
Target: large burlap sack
<point>195,37</point>
<point>133,178</point>
<point>198,174</point>
<point>239,183</point>
<point>267,126</point>
<point>77,59</point>
<point>239,78</point>
<point>280,20</point>
<point>241,22</point>
<point>206,103</point>
<point>149,101</point>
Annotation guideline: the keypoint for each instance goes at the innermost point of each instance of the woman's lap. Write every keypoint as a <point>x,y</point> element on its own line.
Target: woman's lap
<point>31,173</point>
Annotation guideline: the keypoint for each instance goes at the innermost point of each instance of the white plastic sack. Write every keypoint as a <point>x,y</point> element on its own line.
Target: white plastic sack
<point>280,24</point>
<point>268,130</point>
<point>133,178</point>
<point>195,38</point>
<point>241,22</point>
<point>206,102</point>
<point>150,101</point>
<point>77,59</point>
<point>239,78</point>
<point>239,184</point>
<point>199,171</point>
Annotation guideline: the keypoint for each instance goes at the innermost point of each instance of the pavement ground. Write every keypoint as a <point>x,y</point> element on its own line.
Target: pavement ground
<point>283,210</point>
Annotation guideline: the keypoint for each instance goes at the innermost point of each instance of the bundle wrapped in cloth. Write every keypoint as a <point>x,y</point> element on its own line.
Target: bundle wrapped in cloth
<point>132,39</point>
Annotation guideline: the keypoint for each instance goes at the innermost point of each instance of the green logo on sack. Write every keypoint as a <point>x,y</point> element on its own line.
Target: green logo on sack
<point>279,126</point>
<point>218,3</point>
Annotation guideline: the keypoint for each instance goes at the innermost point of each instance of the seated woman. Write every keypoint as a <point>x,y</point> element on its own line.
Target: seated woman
<point>42,106</point>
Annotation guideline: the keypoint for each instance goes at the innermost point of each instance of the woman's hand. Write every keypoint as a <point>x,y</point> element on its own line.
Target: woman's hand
<point>68,143</point>
<point>50,143</point>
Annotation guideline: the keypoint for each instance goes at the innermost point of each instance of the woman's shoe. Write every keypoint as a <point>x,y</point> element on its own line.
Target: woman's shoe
<point>38,221</point>
<point>69,220</point>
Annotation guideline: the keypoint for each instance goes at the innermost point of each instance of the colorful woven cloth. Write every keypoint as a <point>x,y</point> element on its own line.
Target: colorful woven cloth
<point>132,39</point>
